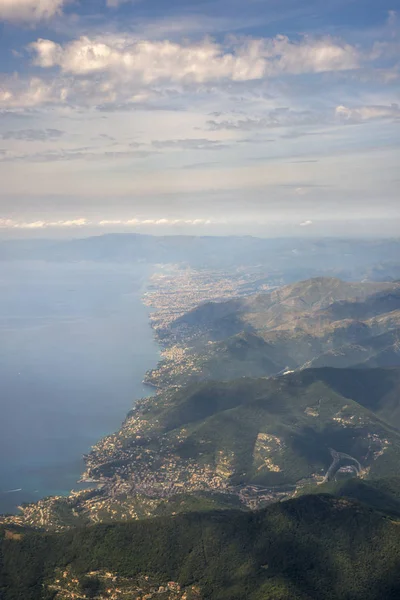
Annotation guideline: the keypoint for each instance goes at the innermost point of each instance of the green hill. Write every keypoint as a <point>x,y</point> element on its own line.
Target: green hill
<point>381,494</point>
<point>245,442</point>
<point>242,355</point>
<point>271,433</point>
<point>312,547</point>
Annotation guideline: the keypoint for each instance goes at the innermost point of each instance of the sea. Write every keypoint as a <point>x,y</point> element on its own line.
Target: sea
<point>75,343</point>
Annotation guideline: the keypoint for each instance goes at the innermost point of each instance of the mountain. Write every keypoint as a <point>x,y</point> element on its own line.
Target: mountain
<point>315,546</point>
<point>372,305</point>
<point>377,351</point>
<point>313,323</point>
<point>306,305</point>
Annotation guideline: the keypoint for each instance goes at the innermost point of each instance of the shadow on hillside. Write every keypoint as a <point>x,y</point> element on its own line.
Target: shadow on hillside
<point>314,446</point>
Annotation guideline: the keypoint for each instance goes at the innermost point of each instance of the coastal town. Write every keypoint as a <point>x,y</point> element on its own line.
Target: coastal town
<point>173,290</point>
<point>104,585</point>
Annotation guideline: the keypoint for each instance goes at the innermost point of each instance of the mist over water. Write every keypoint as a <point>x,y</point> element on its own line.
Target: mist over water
<point>75,344</point>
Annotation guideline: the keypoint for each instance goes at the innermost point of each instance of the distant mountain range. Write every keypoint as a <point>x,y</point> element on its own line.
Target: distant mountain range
<point>291,258</point>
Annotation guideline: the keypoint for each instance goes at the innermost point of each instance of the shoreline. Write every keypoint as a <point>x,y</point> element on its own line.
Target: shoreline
<point>26,494</point>
<point>98,482</point>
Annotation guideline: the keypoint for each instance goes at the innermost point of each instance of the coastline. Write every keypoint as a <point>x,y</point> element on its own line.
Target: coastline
<point>103,407</point>
<point>131,483</point>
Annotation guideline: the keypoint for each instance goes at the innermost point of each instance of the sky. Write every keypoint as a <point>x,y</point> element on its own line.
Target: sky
<point>266,117</point>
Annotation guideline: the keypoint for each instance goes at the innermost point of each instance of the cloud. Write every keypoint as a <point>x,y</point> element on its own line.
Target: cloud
<point>162,221</point>
<point>117,3</point>
<point>150,62</point>
<point>205,61</point>
<point>113,71</point>
<point>189,144</point>
<point>278,117</point>
<point>30,92</point>
<point>82,222</point>
<point>285,117</point>
<point>85,153</point>
<point>29,10</point>
<point>17,93</point>
<point>367,113</point>
<point>13,224</point>
<point>32,135</point>
<point>305,223</point>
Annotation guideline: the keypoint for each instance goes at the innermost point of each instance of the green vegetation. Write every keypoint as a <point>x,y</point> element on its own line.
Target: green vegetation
<point>273,431</point>
<point>312,547</point>
<point>242,355</point>
<point>381,494</point>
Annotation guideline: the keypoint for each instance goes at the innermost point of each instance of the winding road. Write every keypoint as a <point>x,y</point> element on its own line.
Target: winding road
<point>338,458</point>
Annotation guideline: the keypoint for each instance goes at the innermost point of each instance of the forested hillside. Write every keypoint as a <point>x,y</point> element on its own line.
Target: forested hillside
<point>312,547</point>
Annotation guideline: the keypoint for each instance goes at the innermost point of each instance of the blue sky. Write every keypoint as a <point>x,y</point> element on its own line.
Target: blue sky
<point>260,117</point>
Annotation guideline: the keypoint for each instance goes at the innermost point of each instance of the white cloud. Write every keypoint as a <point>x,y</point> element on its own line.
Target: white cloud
<point>150,62</point>
<point>81,222</point>
<point>310,56</point>
<point>306,223</point>
<point>13,224</point>
<point>367,113</point>
<point>278,117</point>
<point>122,70</point>
<point>154,61</point>
<point>29,10</point>
<point>28,93</point>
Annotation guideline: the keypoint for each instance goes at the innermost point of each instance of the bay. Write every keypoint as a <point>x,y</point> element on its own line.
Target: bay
<point>75,342</point>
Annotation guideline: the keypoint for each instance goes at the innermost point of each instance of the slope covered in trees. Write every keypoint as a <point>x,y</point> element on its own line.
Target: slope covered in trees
<point>312,547</point>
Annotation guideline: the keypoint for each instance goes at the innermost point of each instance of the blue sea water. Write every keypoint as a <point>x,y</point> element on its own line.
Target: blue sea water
<point>75,342</point>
